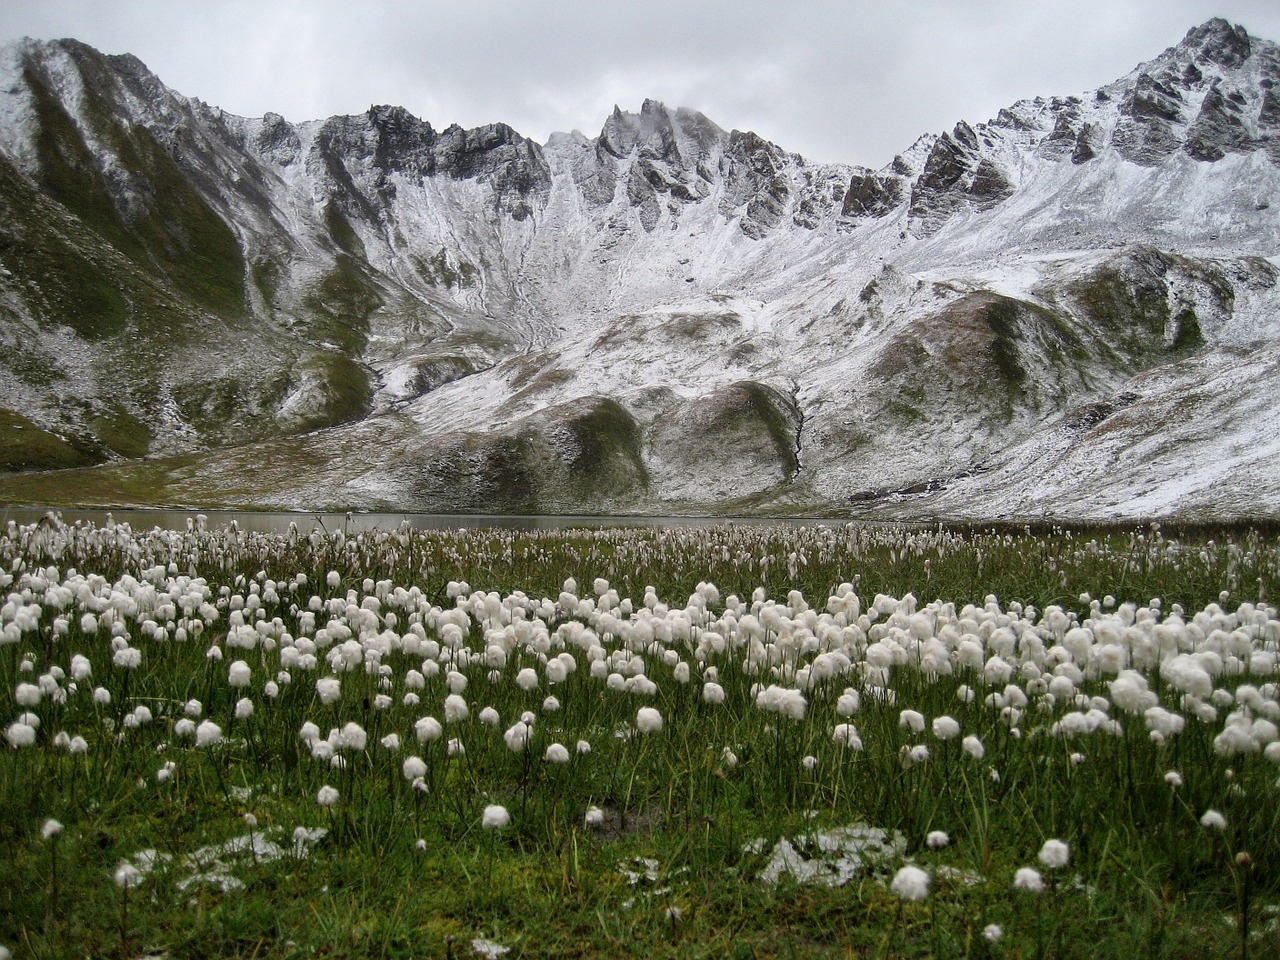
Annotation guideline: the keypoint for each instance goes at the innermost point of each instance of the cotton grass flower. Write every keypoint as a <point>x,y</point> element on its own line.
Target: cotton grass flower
<point>413,767</point>
<point>557,753</point>
<point>354,737</point>
<point>428,729</point>
<point>495,817</point>
<point>1054,854</point>
<point>208,733</point>
<point>329,689</point>
<point>911,720</point>
<point>1213,820</point>
<point>327,796</point>
<point>50,829</point>
<point>594,817</point>
<point>1029,879</point>
<point>946,728</point>
<point>648,720</point>
<point>517,737</point>
<point>992,932</point>
<point>238,674</point>
<point>846,734</point>
<point>20,735</point>
<point>936,839</point>
<point>127,876</point>
<point>910,883</point>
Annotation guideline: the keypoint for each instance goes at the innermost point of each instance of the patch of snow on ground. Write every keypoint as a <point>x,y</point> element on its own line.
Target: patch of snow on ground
<point>830,857</point>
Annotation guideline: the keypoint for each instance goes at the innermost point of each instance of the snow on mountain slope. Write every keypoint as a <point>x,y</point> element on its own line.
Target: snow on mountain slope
<point>665,317</point>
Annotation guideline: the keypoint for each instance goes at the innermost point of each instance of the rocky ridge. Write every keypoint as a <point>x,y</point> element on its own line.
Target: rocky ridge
<point>367,312</point>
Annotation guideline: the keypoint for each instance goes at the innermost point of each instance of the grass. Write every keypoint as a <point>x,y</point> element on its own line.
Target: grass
<point>687,831</point>
<point>25,446</point>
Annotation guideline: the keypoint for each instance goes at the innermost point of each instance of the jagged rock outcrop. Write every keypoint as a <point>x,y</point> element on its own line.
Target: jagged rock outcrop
<point>956,176</point>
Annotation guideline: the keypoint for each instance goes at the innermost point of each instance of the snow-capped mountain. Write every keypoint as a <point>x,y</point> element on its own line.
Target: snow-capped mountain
<point>1069,310</point>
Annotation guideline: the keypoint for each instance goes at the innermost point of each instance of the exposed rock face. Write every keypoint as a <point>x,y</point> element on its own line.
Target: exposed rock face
<point>956,176</point>
<point>1219,42</point>
<point>756,186</point>
<point>1149,116</point>
<point>1219,128</point>
<point>872,195</point>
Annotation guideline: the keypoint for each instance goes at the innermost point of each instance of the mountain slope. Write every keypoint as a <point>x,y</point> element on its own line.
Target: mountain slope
<point>666,317</point>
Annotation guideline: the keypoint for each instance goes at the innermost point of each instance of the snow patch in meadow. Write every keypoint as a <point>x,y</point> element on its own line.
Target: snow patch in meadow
<point>487,948</point>
<point>209,864</point>
<point>830,857</point>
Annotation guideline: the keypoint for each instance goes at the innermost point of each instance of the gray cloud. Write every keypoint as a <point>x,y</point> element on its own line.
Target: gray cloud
<point>850,81</point>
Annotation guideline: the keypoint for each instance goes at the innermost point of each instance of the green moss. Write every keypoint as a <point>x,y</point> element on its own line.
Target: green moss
<point>1001,317</point>
<point>761,403</point>
<point>122,432</point>
<point>1128,312</point>
<point>265,276</point>
<point>171,230</point>
<point>482,474</point>
<point>344,235</point>
<point>702,326</point>
<point>607,460</point>
<point>73,288</point>
<point>341,305</point>
<point>442,271</point>
<point>25,446</point>
<point>1188,337</point>
<point>347,390</point>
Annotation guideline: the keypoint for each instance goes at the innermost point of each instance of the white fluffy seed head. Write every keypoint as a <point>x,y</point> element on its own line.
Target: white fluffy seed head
<point>1029,879</point>
<point>910,883</point>
<point>648,720</point>
<point>1054,854</point>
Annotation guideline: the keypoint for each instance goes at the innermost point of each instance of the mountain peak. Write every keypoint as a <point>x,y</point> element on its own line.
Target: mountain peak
<point>1218,41</point>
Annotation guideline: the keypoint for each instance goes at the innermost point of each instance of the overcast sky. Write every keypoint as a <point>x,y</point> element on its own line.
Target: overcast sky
<point>854,81</point>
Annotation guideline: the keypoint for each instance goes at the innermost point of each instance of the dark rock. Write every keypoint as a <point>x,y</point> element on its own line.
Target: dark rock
<point>1084,150</point>
<point>642,196</point>
<point>1063,129</point>
<point>955,175</point>
<point>822,192</point>
<point>1269,113</point>
<point>965,135</point>
<point>1217,130</point>
<point>872,195</point>
<point>1217,41</point>
<point>512,165</point>
<point>755,182</point>
<point>669,151</point>
<point>989,185</point>
<point>1145,133</point>
<point>277,141</point>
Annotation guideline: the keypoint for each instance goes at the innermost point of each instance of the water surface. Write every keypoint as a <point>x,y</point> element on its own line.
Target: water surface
<point>278,522</point>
